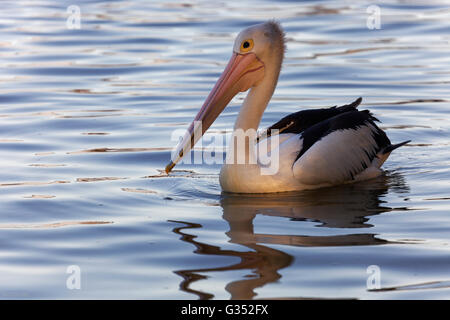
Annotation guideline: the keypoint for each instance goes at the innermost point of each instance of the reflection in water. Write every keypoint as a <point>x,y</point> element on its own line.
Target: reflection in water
<point>348,206</point>
<point>263,261</point>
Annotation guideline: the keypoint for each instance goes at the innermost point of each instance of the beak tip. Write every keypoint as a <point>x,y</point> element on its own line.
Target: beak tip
<point>169,167</point>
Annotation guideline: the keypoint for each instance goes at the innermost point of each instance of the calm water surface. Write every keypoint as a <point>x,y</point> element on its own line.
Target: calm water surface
<point>86,118</point>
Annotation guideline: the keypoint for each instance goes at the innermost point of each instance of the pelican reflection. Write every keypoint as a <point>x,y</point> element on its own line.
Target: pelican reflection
<point>337,208</point>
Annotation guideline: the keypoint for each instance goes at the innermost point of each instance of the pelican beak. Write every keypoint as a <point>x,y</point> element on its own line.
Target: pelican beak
<point>242,72</point>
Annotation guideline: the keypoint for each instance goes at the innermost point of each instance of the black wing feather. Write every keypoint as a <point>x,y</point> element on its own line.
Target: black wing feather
<point>300,121</point>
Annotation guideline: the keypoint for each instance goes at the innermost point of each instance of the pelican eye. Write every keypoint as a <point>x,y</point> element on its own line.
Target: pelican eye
<point>247,45</point>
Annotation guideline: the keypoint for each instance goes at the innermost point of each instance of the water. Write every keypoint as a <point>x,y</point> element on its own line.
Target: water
<point>86,118</point>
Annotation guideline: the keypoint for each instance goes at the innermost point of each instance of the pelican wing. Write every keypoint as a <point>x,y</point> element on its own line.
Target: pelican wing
<point>339,148</point>
<point>300,121</point>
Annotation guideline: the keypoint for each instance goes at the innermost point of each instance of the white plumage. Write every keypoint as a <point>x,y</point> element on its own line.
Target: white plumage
<point>335,157</point>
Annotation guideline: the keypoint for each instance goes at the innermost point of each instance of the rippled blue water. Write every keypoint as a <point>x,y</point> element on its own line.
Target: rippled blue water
<point>86,117</point>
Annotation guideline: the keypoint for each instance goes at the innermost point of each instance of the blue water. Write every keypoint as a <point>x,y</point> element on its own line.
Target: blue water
<point>86,117</point>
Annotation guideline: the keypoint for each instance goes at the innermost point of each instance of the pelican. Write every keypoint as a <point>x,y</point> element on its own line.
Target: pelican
<point>316,148</point>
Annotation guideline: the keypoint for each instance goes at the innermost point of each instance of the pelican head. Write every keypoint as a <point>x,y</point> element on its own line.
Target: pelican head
<point>255,62</point>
